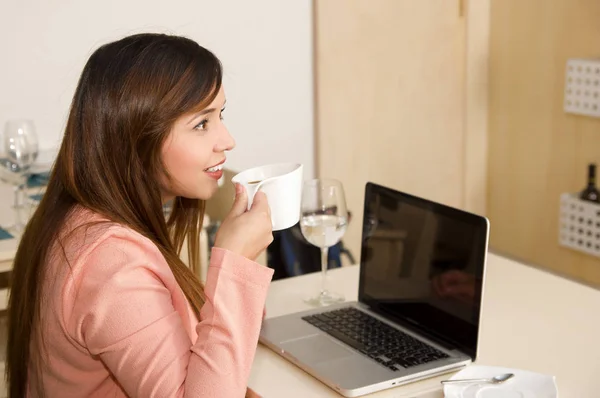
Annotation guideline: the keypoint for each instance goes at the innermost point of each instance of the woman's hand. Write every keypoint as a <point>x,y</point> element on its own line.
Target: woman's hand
<point>247,233</point>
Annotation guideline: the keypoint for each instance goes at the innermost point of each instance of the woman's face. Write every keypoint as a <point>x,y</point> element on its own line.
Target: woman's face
<point>194,153</point>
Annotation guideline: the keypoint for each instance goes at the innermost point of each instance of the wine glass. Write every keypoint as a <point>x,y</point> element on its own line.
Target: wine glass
<point>20,152</point>
<point>323,222</point>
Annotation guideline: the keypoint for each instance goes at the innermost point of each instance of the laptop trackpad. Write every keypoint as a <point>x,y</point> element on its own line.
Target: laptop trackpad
<point>316,348</point>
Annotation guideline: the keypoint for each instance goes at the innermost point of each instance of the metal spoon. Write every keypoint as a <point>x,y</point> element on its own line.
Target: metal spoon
<point>494,380</point>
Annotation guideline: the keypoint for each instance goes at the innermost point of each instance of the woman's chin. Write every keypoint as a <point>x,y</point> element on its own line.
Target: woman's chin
<point>207,191</point>
<point>203,191</point>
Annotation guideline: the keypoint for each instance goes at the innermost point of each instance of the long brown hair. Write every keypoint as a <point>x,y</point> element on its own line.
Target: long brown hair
<point>128,97</point>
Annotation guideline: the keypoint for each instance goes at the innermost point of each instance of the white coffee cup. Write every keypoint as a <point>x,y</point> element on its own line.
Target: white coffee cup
<point>282,183</point>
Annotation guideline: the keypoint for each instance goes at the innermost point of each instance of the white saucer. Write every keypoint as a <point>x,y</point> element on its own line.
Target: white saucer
<point>524,384</point>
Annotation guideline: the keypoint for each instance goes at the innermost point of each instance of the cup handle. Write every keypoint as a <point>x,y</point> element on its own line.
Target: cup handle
<point>256,189</point>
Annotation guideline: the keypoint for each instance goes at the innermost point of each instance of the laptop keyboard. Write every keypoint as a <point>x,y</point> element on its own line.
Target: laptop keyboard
<point>384,344</point>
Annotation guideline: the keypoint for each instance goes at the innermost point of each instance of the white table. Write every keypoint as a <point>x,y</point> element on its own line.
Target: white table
<point>531,320</point>
<point>8,247</point>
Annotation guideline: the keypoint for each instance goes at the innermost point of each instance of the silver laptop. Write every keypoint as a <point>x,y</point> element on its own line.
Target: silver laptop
<point>421,275</point>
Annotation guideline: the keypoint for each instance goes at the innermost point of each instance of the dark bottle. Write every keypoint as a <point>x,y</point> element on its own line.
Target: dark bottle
<point>590,193</point>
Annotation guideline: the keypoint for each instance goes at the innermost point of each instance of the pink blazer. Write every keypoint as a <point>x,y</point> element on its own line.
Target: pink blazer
<point>117,324</point>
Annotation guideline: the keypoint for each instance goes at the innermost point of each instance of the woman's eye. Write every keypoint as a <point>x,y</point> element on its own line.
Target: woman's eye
<point>201,125</point>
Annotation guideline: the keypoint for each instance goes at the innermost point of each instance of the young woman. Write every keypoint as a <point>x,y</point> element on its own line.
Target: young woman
<point>101,304</point>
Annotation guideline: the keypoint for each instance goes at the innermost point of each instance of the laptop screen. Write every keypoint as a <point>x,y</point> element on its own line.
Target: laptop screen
<point>422,265</point>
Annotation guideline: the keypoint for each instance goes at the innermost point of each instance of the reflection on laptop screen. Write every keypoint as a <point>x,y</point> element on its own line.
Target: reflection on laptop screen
<point>422,263</point>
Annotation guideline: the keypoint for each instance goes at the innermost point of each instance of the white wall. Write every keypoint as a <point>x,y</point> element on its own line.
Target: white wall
<point>265,47</point>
